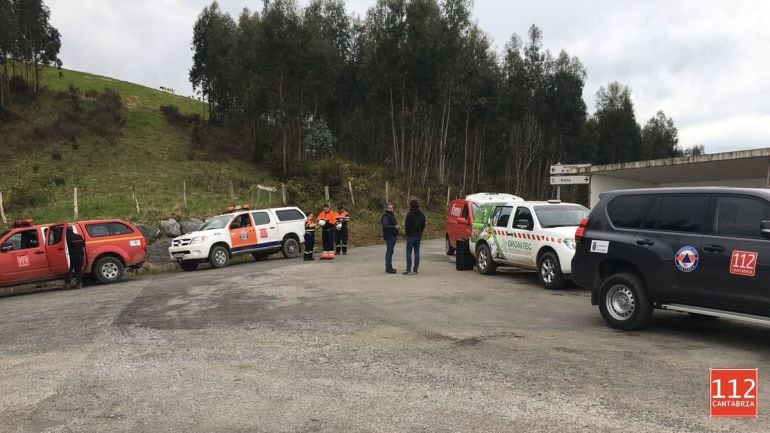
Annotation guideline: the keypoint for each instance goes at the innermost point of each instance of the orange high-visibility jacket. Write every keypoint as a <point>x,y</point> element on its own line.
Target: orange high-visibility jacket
<point>330,217</point>
<point>343,217</point>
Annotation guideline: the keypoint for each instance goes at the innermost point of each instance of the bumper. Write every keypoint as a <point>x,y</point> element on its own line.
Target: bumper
<point>189,252</point>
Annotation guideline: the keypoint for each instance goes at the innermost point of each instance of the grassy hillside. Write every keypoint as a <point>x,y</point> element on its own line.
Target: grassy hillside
<point>45,155</point>
<point>148,157</point>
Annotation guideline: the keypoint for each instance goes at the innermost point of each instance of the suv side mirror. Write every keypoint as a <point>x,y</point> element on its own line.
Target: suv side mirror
<point>523,225</point>
<point>764,229</point>
<point>5,247</point>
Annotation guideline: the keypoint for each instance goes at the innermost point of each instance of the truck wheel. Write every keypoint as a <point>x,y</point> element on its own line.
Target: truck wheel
<point>623,302</point>
<point>484,260</point>
<point>549,272</point>
<point>219,257</point>
<point>449,250</point>
<point>108,270</point>
<point>189,265</point>
<point>290,248</point>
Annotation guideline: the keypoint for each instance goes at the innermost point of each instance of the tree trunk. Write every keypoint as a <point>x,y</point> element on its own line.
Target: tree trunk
<point>393,128</point>
<point>465,156</point>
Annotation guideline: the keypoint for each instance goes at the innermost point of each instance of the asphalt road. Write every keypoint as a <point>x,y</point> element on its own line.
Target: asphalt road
<point>290,346</point>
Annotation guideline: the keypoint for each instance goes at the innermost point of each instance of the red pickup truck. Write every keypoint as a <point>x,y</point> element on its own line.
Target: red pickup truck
<point>32,253</point>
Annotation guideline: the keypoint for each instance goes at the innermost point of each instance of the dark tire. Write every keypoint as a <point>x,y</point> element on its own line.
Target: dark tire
<point>260,256</point>
<point>108,270</point>
<point>291,248</point>
<point>448,247</point>
<point>219,257</point>
<point>549,272</point>
<point>624,303</point>
<point>484,262</point>
<point>189,265</point>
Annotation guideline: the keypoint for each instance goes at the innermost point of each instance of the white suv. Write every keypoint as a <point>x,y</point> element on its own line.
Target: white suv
<point>259,232</point>
<point>532,235</point>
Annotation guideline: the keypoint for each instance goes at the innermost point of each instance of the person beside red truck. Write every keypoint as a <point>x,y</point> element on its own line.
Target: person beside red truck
<point>76,247</point>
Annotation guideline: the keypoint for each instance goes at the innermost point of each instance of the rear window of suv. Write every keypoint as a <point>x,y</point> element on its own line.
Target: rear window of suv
<point>679,213</point>
<point>627,211</point>
<point>107,229</point>
<point>289,215</point>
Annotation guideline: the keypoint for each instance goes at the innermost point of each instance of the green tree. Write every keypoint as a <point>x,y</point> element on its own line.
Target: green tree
<point>211,73</point>
<point>7,40</point>
<point>660,138</point>
<point>37,42</point>
<point>619,134</point>
<point>696,150</point>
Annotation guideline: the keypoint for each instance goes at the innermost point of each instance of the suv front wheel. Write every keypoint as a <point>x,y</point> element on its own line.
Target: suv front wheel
<point>484,261</point>
<point>623,302</point>
<point>549,272</point>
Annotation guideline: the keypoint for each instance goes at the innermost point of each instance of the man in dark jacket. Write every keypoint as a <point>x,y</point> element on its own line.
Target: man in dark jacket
<point>76,247</point>
<point>389,233</point>
<point>414,226</point>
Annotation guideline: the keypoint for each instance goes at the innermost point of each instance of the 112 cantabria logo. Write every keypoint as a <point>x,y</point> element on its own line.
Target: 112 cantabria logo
<point>733,392</point>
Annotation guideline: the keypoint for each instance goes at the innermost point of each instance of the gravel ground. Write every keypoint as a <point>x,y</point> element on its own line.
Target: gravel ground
<point>293,346</point>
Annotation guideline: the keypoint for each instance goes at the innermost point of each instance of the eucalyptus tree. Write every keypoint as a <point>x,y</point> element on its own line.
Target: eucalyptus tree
<point>211,73</point>
<point>618,133</point>
<point>660,138</point>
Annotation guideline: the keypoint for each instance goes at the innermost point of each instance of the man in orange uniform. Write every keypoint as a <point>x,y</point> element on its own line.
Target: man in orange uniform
<point>329,218</point>
<point>343,217</point>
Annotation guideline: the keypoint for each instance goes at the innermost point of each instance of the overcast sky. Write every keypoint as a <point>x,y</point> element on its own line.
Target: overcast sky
<point>704,63</point>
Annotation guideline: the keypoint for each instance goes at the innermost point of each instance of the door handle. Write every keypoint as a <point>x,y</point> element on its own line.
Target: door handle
<point>272,227</point>
<point>39,252</point>
<point>646,242</point>
<point>714,248</point>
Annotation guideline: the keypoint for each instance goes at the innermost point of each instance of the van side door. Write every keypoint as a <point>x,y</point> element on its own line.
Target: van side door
<point>736,258</point>
<point>668,246</point>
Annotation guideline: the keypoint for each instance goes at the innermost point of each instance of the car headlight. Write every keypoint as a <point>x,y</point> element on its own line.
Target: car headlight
<point>569,243</point>
<point>198,240</point>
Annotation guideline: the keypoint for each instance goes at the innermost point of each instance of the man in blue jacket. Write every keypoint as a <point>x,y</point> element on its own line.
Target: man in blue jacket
<point>389,233</point>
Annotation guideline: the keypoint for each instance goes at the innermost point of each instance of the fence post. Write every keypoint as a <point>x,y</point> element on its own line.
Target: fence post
<point>428,203</point>
<point>184,194</point>
<point>2,212</point>
<point>387,192</point>
<point>136,201</point>
<point>258,190</point>
<point>75,203</point>
<point>283,192</point>
<point>326,194</point>
<point>350,187</point>
<point>448,189</point>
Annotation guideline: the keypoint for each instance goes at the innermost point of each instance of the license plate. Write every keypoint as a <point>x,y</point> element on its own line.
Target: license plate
<point>178,255</point>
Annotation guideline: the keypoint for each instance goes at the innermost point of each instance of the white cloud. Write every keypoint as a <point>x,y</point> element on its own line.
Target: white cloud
<point>704,63</point>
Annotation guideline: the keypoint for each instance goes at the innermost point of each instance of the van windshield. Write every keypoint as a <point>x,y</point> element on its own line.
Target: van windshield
<point>215,223</point>
<point>560,215</point>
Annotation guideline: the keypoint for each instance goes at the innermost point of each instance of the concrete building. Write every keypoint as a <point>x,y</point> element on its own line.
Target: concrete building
<point>746,168</point>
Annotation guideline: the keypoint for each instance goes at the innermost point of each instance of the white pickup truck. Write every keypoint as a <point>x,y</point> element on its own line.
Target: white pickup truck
<point>259,232</point>
<point>527,234</point>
